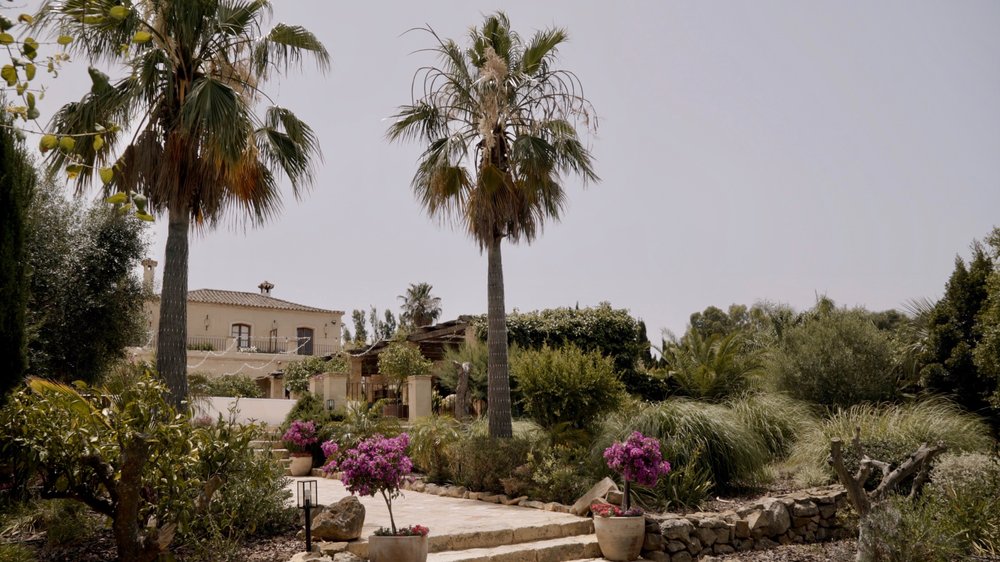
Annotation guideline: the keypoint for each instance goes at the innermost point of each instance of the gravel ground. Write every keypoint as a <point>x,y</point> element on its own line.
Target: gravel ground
<point>837,551</point>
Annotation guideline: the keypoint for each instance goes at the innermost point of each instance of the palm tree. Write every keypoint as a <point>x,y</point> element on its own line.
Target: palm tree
<point>500,126</point>
<point>194,72</point>
<point>420,307</point>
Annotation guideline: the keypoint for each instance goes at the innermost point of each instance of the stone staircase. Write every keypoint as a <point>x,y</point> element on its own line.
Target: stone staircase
<point>271,446</point>
<point>554,542</point>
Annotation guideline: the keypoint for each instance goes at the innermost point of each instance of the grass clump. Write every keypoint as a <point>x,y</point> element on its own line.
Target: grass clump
<point>777,419</point>
<point>888,433</point>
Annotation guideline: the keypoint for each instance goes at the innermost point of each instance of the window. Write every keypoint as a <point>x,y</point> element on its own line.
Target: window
<point>241,333</point>
<point>305,336</point>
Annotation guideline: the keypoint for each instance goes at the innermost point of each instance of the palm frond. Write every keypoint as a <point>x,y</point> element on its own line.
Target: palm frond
<point>543,45</point>
<point>284,46</point>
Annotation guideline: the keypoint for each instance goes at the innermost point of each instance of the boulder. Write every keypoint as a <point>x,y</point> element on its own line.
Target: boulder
<point>596,492</point>
<point>341,521</point>
<point>676,529</point>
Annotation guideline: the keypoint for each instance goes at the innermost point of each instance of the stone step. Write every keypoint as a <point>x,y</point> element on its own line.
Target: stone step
<point>505,538</point>
<point>550,550</point>
<point>264,444</point>
<point>276,454</point>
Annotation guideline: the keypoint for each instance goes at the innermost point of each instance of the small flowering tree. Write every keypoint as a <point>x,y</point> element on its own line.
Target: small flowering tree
<point>299,436</point>
<point>638,459</point>
<point>378,464</point>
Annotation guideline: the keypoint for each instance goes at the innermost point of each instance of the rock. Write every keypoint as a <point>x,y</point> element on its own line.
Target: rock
<point>534,504</point>
<point>760,520</point>
<point>742,529</point>
<point>705,535</point>
<point>614,497</point>
<point>309,556</point>
<point>341,521</point>
<point>653,542</point>
<point>764,543</point>
<point>805,509</point>
<point>676,546</point>
<point>723,549</point>
<point>514,501</point>
<point>723,535</point>
<point>597,491</point>
<point>455,491</point>
<point>681,556</point>
<point>331,548</point>
<point>347,557</point>
<point>677,529</point>
<point>656,556</point>
<point>780,520</point>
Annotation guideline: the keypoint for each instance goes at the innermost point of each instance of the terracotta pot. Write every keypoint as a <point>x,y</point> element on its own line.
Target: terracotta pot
<point>301,465</point>
<point>397,549</point>
<point>620,538</point>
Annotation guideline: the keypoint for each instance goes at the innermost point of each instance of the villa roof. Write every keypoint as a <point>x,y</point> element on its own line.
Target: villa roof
<point>253,300</point>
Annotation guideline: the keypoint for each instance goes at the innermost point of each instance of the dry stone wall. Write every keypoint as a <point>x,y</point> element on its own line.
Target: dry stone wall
<point>802,517</point>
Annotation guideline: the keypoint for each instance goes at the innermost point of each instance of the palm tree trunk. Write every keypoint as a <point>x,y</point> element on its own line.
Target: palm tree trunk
<point>496,345</point>
<point>171,346</point>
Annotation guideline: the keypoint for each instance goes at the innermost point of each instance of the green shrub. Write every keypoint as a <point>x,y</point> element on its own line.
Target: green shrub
<point>835,358</point>
<point>713,368</point>
<point>233,386</point>
<point>401,360</point>
<point>704,442</point>
<point>481,463</point>
<point>66,523</point>
<point>359,421</point>
<point>558,474</point>
<point>777,419</point>
<point>297,373</point>
<point>888,433</point>
<point>566,385</point>
<point>957,517</point>
<point>17,553</point>
<point>429,439</point>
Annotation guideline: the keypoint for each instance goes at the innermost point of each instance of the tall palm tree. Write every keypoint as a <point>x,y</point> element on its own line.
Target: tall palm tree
<point>194,69</point>
<point>500,123</point>
<point>420,307</point>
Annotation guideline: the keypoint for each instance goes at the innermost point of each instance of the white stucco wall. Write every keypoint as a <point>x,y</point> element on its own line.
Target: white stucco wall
<point>261,410</point>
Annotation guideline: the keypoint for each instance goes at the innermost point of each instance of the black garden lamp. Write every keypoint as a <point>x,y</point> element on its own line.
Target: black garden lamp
<point>306,496</point>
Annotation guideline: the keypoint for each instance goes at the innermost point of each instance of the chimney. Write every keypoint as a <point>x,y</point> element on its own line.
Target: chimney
<point>265,288</point>
<point>148,273</point>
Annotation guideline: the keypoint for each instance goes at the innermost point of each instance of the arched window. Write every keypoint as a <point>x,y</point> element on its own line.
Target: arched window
<point>305,336</point>
<point>241,333</point>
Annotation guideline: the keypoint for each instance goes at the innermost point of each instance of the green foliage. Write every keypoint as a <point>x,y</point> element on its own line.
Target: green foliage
<point>715,367</point>
<point>360,330</point>
<point>361,421</point>
<point>430,438</point>
<point>957,517</point>
<point>476,355</point>
<point>233,386</point>
<point>704,442</point>
<point>954,333</point>
<point>310,407</point>
<point>888,433</point>
<point>123,451</point>
<point>16,553</point>
<point>777,419</point>
<point>85,305</point>
<point>296,374</point>
<point>400,360</point>
<point>558,474</point>
<point>420,307</point>
<point>566,385</point>
<point>611,332</point>
<point>836,357</point>
<point>17,184</point>
<point>481,463</point>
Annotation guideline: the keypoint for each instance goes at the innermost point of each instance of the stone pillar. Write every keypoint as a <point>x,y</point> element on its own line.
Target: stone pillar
<point>420,396</point>
<point>335,388</point>
<point>277,387</point>
<point>317,385</point>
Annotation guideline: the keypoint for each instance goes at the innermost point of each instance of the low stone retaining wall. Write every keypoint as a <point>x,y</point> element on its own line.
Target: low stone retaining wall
<point>805,516</point>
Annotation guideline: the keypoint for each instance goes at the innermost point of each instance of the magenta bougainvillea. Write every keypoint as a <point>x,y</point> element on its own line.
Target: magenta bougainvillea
<point>637,459</point>
<point>377,465</point>
<point>330,450</point>
<point>299,436</point>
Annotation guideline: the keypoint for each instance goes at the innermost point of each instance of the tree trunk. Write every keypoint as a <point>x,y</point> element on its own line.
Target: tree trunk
<point>132,545</point>
<point>171,343</point>
<point>496,345</point>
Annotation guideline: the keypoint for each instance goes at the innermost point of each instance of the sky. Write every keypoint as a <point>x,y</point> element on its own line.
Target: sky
<point>773,150</point>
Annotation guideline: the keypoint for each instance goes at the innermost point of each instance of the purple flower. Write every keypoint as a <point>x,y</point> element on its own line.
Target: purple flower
<point>638,459</point>
<point>377,465</point>
<point>300,435</point>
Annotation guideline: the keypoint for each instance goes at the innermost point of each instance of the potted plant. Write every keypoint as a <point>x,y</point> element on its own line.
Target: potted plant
<point>298,438</point>
<point>621,531</point>
<point>378,465</point>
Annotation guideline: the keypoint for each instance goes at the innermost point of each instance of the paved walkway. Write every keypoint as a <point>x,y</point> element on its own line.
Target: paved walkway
<point>442,515</point>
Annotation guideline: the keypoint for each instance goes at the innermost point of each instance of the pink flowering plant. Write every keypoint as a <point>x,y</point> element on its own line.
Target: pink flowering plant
<point>637,459</point>
<point>300,435</point>
<point>609,510</point>
<point>378,465</point>
<point>330,450</point>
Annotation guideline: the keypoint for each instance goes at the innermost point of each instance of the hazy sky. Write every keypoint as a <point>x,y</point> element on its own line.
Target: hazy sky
<point>747,150</point>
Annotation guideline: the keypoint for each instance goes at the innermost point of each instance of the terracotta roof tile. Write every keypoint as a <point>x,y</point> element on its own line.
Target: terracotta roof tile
<point>254,300</point>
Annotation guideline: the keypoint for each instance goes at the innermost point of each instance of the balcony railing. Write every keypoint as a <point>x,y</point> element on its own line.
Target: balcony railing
<point>223,344</point>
